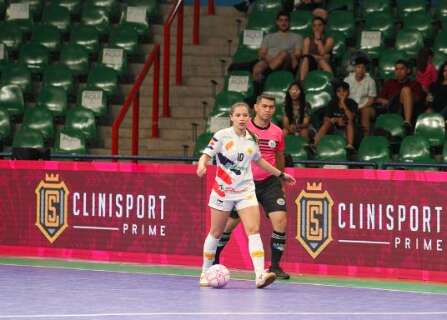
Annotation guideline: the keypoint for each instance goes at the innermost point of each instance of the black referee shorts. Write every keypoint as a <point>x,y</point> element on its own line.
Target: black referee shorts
<point>270,195</point>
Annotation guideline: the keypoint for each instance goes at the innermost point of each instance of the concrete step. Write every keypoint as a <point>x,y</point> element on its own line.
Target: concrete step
<point>220,11</point>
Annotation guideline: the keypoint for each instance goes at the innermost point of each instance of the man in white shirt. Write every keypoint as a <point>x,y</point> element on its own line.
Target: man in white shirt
<point>363,91</point>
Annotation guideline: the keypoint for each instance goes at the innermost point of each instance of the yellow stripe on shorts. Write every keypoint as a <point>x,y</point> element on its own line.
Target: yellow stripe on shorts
<point>257,254</point>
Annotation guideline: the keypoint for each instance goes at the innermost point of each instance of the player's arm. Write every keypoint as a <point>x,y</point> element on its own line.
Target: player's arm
<point>201,166</point>
<point>275,171</point>
<point>280,161</point>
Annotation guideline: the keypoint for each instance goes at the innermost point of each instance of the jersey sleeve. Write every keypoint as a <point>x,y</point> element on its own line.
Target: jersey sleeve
<point>214,145</point>
<point>256,153</point>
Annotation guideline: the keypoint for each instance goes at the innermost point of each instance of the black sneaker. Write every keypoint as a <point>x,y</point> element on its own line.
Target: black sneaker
<point>280,274</point>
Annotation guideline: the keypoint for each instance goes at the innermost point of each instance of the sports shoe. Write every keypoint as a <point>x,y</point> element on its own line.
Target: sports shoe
<point>265,279</point>
<point>280,274</point>
<point>203,282</point>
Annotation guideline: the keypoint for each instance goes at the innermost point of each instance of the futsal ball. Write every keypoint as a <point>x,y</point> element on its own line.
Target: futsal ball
<point>217,276</point>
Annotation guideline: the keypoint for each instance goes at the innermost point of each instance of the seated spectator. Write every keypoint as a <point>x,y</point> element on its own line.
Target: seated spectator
<point>316,6</point>
<point>363,91</point>
<point>340,115</point>
<point>317,49</point>
<point>279,50</point>
<point>425,70</point>
<point>438,92</point>
<point>296,121</point>
<point>402,95</point>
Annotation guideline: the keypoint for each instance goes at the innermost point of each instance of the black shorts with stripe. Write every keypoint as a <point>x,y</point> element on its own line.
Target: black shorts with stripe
<point>270,196</point>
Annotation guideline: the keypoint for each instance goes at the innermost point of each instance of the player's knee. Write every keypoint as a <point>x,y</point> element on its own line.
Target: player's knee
<point>252,230</point>
<point>216,233</point>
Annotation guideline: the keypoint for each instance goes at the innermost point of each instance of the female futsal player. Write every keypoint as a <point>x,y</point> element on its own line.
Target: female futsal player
<point>235,147</point>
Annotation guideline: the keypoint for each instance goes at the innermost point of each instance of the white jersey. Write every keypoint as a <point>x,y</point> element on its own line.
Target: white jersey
<point>233,156</point>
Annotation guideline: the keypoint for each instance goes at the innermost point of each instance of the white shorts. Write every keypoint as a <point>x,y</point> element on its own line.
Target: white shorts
<point>246,199</point>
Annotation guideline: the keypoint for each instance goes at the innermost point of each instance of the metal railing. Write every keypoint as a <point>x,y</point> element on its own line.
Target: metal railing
<point>133,98</point>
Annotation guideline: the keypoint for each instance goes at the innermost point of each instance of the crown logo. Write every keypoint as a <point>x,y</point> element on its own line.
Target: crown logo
<point>51,177</point>
<point>314,186</point>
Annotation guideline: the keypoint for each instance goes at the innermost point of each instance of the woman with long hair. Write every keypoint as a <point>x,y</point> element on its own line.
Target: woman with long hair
<point>296,120</point>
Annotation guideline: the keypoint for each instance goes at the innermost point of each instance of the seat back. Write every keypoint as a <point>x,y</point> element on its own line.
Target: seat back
<point>375,149</point>
<point>431,126</point>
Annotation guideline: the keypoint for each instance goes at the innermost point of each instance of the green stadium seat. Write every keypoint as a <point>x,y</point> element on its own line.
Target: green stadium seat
<point>370,42</point>
<point>58,17</point>
<point>339,44</point>
<point>4,56</point>
<point>244,55</point>
<point>125,37</point>
<point>393,124</point>
<point>415,149</point>
<point>340,5</point>
<point>318,100</point>
<point>331,148</point>
<point>5,126</point>
<point>70,142</point>
<point>301,22</point>
<point>20,13</point>
<point>73,6</point>
<point>2,9</point>
<point>431,126</point>
<point>39,119</point>
<point>96,17</point>
<point>28,138</point>
<point>444,152</point>
<point>152,7</point>
<point>94,100</point>
<point>240,81</point>
<point>104,78</point>
<point>375,6</point>
<point>438,59</point>
<point>48,36</point>
<point>342,21</point>
<point>59,75</point>
<point>441,9</point>
<point>35,56</point>
<point>268,5</point>
<point>374,149</point>
<point>76,58</point>
<point>383,22</point>
<point>317,81</point>
<point>12,101</point>
<point>387,60</point>
<point>421,22</point>
<point>137,19</point>
<point>296,147</point>
<point>225,99</point>
<point>10,35</point>
<point>409,41</point>
<point>440,44</point>
<point>262,20</point>
<point>81,120</point>
<point>85,36</point>
<point>277,84</point>
<point>202,143</point>
<point>54,99</point>
<point>407,7</point>
<point>17,74</point>
<point>112,7</point>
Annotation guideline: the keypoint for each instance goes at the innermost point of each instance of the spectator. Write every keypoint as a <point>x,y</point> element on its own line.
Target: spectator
<point>316,49</point>
<point>438,92</point>
<point>363,91</point>
<point>279,50</point>
<point>425,70</point>
<point>340,115</point>
<point>296,121</point>
<point>402,95</point>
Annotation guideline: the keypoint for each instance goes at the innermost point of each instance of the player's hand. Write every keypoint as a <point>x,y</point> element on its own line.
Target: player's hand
<point>201,171</point>
<point>289,179</point>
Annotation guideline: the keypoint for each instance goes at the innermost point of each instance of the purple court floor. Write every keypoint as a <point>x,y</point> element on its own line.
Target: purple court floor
<point>49,293</point>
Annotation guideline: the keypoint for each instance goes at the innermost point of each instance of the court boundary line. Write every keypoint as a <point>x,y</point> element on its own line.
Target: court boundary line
<point>237,279</point>
<point>148,314</point>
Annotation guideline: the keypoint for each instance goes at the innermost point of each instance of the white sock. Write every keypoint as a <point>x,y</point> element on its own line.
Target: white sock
<point>209,252</point>
<point>256,253</point>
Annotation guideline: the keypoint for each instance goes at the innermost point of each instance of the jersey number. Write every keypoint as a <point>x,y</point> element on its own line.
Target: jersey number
<point>240,156</point>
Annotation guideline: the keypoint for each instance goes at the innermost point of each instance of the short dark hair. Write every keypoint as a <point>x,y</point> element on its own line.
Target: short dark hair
<point>342,84</point>
<point>361,60</point>
<point>266,96</point>
<point>320,19</point>
<point>283,13</point>
<point>403,62</point>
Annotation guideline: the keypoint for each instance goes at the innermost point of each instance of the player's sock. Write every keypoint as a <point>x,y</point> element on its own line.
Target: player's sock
<point>209,252</point>
<point>256,250</point>
<point>221,245</point>
<point>277,242</point>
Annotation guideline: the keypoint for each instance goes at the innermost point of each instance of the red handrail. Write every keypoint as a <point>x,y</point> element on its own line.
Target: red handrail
<point>133,98</point>
<point>211,8</point>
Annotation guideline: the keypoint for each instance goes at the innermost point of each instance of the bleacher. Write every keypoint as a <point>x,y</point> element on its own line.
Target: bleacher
<point>385,31</point>
<point>62,63</point>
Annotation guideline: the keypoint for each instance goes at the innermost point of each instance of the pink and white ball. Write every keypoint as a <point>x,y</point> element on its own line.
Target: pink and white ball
<point>217,276</point>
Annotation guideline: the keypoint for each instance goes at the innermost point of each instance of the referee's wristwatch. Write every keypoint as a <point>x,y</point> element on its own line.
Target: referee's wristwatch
<point>281,175</point>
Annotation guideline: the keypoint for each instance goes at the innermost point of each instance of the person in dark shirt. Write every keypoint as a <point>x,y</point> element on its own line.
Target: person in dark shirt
<point>438,92</point>
<point>340,115</point>
<point>402,95</point>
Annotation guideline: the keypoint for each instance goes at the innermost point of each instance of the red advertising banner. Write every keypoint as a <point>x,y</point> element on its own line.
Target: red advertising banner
<point>340,222</point>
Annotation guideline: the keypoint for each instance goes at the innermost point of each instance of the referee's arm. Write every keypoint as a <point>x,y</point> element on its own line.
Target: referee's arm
<point>280,160</point>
